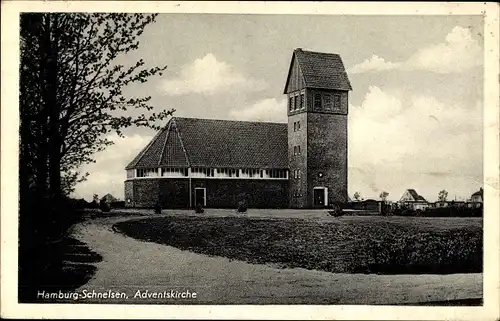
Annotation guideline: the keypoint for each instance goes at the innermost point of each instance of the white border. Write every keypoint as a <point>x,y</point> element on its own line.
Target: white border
<point>9,195</point>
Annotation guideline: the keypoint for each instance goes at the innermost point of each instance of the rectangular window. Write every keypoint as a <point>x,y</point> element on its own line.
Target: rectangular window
<point>296,99</point>
<point>302,101</point>
<point>173,172</point>
<point>147,172</point>
<point>291,104</point>
<point>298,125</point>
<point>317,101</point>
<point>294,126</point>
<point>298,150</point>
<point>328,102</point>
<point>336,102</point>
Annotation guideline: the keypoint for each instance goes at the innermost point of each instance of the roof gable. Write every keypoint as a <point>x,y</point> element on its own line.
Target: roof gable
<point>319,70</point>
<point>412,195</point>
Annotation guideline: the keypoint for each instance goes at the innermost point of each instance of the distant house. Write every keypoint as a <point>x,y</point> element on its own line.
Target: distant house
<point>476,199</point>
<point>412,200</point>
<point>109,198</point>
<point>453,203</point>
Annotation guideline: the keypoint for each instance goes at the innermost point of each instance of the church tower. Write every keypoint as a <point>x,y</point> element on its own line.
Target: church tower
<point>317,90</point>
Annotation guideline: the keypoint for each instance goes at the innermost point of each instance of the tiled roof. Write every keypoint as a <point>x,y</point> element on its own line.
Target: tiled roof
<point>322,70</point>
<point>415,195</point>
<point>478,193</point>
<point>216,143</point>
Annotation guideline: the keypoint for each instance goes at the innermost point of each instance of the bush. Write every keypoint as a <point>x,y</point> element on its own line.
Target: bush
<point>157,208</point>
<point>242,206</point>
<point>335,210</point>
<point>199,209</point>
<point>104,206</point>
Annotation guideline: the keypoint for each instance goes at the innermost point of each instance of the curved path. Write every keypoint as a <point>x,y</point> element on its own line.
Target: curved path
<point>129,266</point>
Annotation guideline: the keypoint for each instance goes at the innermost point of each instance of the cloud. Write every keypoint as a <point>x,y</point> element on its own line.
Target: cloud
<point>414,141</point>
<point>375,63</point>
<point>107,174</point>
<point>457,53</point>
<point>207,76</point>
<point>268,110</point>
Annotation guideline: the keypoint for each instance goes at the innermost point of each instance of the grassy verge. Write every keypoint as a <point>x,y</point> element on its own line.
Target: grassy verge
<point>361,245</point>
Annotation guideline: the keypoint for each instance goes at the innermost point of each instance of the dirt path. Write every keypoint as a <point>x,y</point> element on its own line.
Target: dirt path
<point>130,266</point>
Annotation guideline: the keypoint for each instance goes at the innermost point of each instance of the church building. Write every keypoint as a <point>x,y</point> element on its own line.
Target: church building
<point>217,163</point>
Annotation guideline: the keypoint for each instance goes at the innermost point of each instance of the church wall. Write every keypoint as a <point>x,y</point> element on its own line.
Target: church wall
<point>221,193</point>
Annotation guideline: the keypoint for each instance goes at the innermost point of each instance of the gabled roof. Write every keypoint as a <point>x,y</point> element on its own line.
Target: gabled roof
<point>216,143</point>
<point>320,70</point>
<point>478,193</point>
<point>109,198</point>
<point>415,195</point>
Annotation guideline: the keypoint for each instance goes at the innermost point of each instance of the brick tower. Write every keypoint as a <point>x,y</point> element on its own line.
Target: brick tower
<point>317,89</point>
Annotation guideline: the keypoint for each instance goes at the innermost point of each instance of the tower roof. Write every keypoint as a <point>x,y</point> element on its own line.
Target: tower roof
<point>212,143</point>
<point>320,70</point>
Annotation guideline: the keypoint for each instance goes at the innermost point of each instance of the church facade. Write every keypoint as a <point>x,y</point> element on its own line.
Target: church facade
<point>217,163</point>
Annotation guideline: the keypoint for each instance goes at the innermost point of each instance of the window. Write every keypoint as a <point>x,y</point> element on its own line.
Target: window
<point>291,104</point>
<point>298,150</point>
<point>147,172</point>
<point>250,173</point>
<point>202,172</point>
<point>294,126</point>
<point>174,172</point>
<point>296,98</point>
<point>130,173</point>
<point>317,101</point>
<point>328,102</point>
<point>336,102</point>
<point>302,101</point>
<point>276,173</point>
<point>228,172</point>
<point>298,125</point>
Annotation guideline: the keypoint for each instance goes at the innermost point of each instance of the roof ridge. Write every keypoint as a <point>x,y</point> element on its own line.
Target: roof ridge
<point>132,164</point>
<point>165,143</point>
<point>300,68</point>
<point>231,120</point>
<point>179,136</point>
<point>319,52</point>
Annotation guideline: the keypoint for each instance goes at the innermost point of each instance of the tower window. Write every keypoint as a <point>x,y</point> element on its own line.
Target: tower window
<point>302,101</point>
<point>294,126</point>
<point>317,101</point>
<point>296,102</point>
<point>328,102</point>
<point>290,104</point>
<point>298,125</point>
<point>336,102</point>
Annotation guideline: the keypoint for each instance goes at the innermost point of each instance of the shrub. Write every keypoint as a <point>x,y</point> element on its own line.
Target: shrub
<point>157,208</point>
<point>104,206</point>
<point>199,209</point>
<point>242,206</point>
<point>335,210</point>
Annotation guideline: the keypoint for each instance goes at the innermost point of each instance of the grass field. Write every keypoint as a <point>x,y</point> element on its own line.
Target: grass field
<point>385,245</point>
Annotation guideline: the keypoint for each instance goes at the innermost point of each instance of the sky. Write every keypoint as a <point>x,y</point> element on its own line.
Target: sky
<point>415,111</point>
